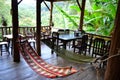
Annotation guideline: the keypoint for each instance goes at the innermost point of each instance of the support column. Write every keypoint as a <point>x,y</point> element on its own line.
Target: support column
<point>82,15</point>
<point>38,25</point>
<point>15,26</point>
<point>51,10</point>
<point>113,65</point>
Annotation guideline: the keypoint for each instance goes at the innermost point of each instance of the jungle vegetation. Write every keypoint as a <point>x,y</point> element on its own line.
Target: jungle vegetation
<point>99,15</point>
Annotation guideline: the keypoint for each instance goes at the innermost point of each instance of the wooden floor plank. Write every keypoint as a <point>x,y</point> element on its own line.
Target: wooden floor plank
<point>10,70</point>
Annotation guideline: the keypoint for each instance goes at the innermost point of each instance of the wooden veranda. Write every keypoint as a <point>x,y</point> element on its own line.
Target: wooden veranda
<point>113,65</point>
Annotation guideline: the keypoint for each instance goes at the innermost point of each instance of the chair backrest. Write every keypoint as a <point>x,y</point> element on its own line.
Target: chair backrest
<point>108,46</point>
<point>67,31</point>
<point>55,34</point>
<point>82,42</point>
<point>55,38</point>
<point>90,38</point>
<point>61,31</point>
<point>84,39</point>
<point>98,47</point>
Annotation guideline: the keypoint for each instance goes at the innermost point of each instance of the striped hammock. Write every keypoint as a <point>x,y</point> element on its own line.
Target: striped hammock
<point>40,66</point>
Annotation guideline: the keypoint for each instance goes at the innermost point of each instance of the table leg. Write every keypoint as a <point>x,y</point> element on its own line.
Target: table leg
<point>64,44</point>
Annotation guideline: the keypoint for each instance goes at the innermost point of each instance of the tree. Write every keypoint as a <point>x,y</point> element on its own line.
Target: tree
<point>5,11</point>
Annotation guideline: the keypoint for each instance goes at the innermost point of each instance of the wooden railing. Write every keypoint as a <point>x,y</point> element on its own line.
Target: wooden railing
<point>22,30</point>
<point>107,38</point>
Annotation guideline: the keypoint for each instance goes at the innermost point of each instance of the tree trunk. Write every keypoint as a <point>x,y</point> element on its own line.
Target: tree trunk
<point>113,65</point>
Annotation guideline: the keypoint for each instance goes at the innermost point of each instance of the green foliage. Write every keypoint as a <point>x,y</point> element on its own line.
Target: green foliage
<point>5,11</point>
<point>99,15</point>
<point>69,17</point>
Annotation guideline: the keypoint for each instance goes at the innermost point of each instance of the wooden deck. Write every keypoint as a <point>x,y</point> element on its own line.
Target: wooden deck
<point>10,70</point>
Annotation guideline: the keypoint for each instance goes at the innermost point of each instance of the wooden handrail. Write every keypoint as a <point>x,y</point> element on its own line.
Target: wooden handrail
<point>8,30</point>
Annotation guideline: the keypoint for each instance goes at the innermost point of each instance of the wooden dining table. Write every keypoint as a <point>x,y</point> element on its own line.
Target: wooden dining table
<point>65,38</point>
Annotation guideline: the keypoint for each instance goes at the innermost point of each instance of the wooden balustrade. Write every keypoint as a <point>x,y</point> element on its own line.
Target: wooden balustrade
<point>107,38</point>
<point>8,30</point>
<point>22,30</point>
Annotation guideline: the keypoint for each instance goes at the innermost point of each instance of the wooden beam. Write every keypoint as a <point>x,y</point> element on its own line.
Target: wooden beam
<point>82,15</point>
<point>113,66</point>
<point>38,25</point>
<point>51,10</point>
<point>15,25</point>
<point>20,2</point>
<point>46,5</point>
<point>78,4</point>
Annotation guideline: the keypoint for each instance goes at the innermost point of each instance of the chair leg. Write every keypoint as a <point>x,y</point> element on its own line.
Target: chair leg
<point>85,51</point>
<point>34,44</point>
<point>89,49</point>
<point>1,49</point>
<point>7,48</point>
<point>52,51</point>
<point>80,51</point>
<point>74,50</point>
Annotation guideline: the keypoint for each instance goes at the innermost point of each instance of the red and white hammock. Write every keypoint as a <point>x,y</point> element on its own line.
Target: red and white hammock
<point>40,66</point>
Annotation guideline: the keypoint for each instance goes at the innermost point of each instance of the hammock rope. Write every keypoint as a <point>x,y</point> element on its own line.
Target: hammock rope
<point>68,55</point>
<point>40,66</point>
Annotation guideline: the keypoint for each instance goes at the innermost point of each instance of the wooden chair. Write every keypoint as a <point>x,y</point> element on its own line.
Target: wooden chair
<point>101,48</point>
<point>55,40</point>
<point>67,31</point>
<point>108,46</point>
<point>81,44</point>
<point>98,47</point>
<point>4,47</point>
<point>60,32</point>
<point>31,37</point>
<point>90,41</point>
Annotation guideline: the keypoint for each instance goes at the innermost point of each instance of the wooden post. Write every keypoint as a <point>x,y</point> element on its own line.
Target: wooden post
<point>15,25</point>
<point>82,15</point>
<point>38,25</point>
<point>113,65</point>
<point>51,9</point>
